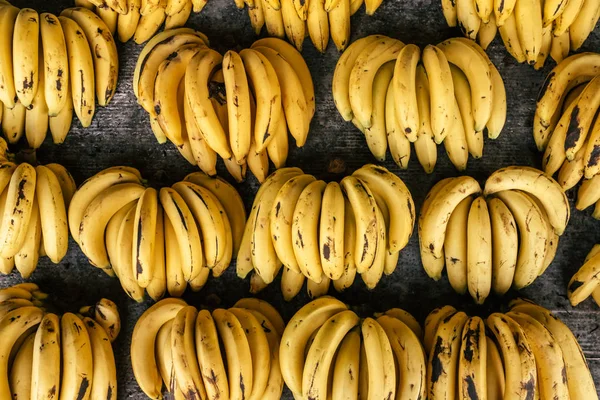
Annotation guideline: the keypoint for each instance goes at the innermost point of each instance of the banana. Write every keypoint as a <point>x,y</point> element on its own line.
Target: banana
<point>505,245</point>
<point>96,217</point>
<point>204,156</point>
<point>572,171</point>
<point>364,209</point>
<point>186,230</point>
<point>106,314</point>
<point>259,349</point>
<point>77,360</point>
<point>554,155</point>
<point>591,165</point>
<point>270,312</point>
<point>56,63</point>
<point>291,283</point>
<point>363,74</point>
<point>341,76</point>
<point>405,90</point>
<point>548,356</point>
<point>383,261</point>
<point>123,262</point>
<point>410,358</point>
<point>104,381</point>
<point>444,353</point>
<point>560,47</point>
<point>545,49</point>
<point>150,22</point>
<point>477,70</point>
<point>13,326</point>
<point>455,143</point>
<point>11,293</point>
<point>528,16</point>
<point>588,193</point>
<point>519,362</point>
<point>425,146</point>
<point>575,363</point>
<point>294,340</point>
<point>281,218</point>
<point>295,27</point>
<point>449,10</point>
<point>273,19</point>
<point>487,32</point>
<point>143,359</point>
<point>8,16</point>
<point>566,19</point>
<point>320,357</point>
<point>462,92</point>
<point>17,210</point>
<point>25,61</point>
<point>295,105</point>
<point>504,11</point>
<point>238,353</point>
<point>278,147</point>
<point>406,318</point>
<point>479,251</point>
<point>316,290</point>
<point>176,284</point>
<point>262,250</point>
<point>53,215</point>
<point>66,181</point>
<point>339,23</point>
<point>355,6</point>
<point>20,370</point>
<point>472,363</point>
<point>148,6</point>
<point>106,60</point>
<point>346,367</point>
<point>127,23</point>
<point>267,91</point>
<point>347,278</point>
<point>468,19</point>
<point>583,24</point>
<point>495,380</point>
<point>572,71</point>
<point>301,9</point>
<point>185,364</point>
<point>61,124</point>
<point>144,235</point>
<point>305,230</point>
<point>111,240</point>
<point>174,6</point>
<point>317,22</point>
<point>36,115</point>
<point>109,17</point>
<point>81,68</point>
<point>381,375</point>
<point>363,375</point>
<point>585,281</point>
<point>164,358</point>
<point>158,285</point>
<point>210,359</point>
<point>27,258</point>
<point>455,246</point>
<point>331,231</point>
<point>434,218</point>
<point>377,132</point>
<point>396,138</point>
<point>197,78</point>
<point>255,13</point>
<point>9,305</point>
<point>441,91</point>
<point>13,122</point>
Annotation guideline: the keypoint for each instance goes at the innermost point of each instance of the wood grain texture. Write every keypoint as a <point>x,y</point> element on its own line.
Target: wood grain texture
<point>120,135</point>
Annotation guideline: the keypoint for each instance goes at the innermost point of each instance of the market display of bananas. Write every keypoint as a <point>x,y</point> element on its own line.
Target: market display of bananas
<point>531,30</point>
<point>328,352</point>
<point>141,19</point>
<point>197,354</point>
<point>238,106</point>
<point>325,232</point>
<point>55,66</point>
<point>526,353</point>
<point>297,19</point>
<point>33,213</point>
<point>506,235</point>
<point>157,240</point>
<point>585,282</point>
<point>49,356</point>
<point>566,129</point>
<point>397,95</point>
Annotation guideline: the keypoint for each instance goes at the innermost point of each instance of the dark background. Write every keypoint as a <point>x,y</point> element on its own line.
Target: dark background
<point>120,135</point>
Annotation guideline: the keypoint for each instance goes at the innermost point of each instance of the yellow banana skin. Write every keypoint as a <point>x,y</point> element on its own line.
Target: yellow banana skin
<point>53,214</point>
<point>405,90</point>
<point>46,358</point>
<point>77,359</point>
<point>56,64</point>
<point>144,234</point>
<point>25,61</point>
<point>472,362</point>
<point>8,16</point>
<point>455,246</point>
<point>20,370</point>
<point>479,251</point>
<point>331,231</point>
<point>210,357</point>
<point>104,382</point>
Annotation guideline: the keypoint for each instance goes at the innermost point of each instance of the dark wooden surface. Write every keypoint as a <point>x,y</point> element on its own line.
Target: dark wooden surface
<point>120,135</point>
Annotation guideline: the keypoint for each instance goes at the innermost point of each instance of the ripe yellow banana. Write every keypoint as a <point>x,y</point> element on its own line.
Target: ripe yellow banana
<point>46,363</point>
<point>104,378</point>
<point>339,23</point>
<point>572,171</point>
<point>27,258</point>
<point>373,274</point>
<point>61,124</point>
<point>564,21</point>
<point>479,251</point>
<point>273,19</point>
<point>144,235</point>
<point>346,368</point>
<point>77,360</point>
<point>106,314</point>
<point>265,308</point>
<point>150,22</point>
<point>13,122</point>
<point>472,363</point>
<point>123,262</point>
<point>8,16</point>
<point>455,246</point>
<point>505,245</point>
<point>407,318</point>
<point>425,146</point>
<point>20,370</point>
<point>127,23</point>
<point>528,16</point>
<point>36,115</point>
<point>504,10</point>
<point>405,90</point>
<point>317,22</point>
<point>210,357</point>
<point>158,285</point>
<point>462,92</point>
<point>449,10</point>
<point>295,27</point>
<point>291,283</point>
<point>25,60</point>
<point>53,215</point>
<point>545,49</point>
<point>468,19</point>
<point>376,134</point>
<point>380,360</point>
<point>257,17</point>
<point>315,290</point>
<point>495,379</point>
<point>176,284</point>
<point>487,32</point>
<point>331,231</point>
<point>455,142</point>
<point>396,138</point>
<point>441,91</point>
<point>56,64</point>
<point>347,278</point>
<point>81,71</point>
<point>583,25</point>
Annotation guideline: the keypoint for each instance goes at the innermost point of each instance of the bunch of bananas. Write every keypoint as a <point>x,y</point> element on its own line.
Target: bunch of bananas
<point>325,231</point>
<point>395,95</point>
<point>506,236</point>
<point>585,282</point>
<point>47,356</point>
<point>527,353</point>
<point>141,19</point>
<point>153,240</point>
<point>51,66</point>
<point>328,352</point>
<point>530,29</point>
<point>237,106</point>
<point>226,354</point>
<point>565,126</point>
<point>297,19</point>
<point>33,214</point>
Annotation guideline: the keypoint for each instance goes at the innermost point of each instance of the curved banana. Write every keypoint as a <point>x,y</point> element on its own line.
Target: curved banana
<point>495,379</point>
<point>291,283</point>
<point>298,331</point>
<point>176,284</point>
<point>583,25</point>
<point>123,263</point>
<point>265,308</point>
<point>339,24</point>
<point>104,379</point>
<point>346,368</point>
<point>27,258</point>
<point>455,246</point>
<point>106,314</point>
<point>425,146</point>
<point>150,22</point>
<point>204,156</point>
<point>36,115</point>
<point>20,370</point>
<point>77,359</point>
<point>25,37</point>
<point>441,91</point>
<point>472,362</point>
<point>455,143</point>
<point>66,181</point>
<point>56,63</point>
<point>462,92</point>
<point>53,215</point>
<point>13,122</point>
<point>570,12</point>
<point>45,371</point>
<point>8,16</point>
<point>158,285</point>
<point>449,10</point>
<point>407,318</point>
<point>210,358</point>
<point>505,245</point>
<point>295,27</point>
<point>585,281</point>
<point>144,235</point>
<point>468,18</point>
<point>405,90</point>
<point>127,23</point>
<point>143,359</point>
<point>396,139</point>
<point>331,231</point>
<point>61,124</point>
<point>487,32</point>
<point>539,185</point>
<point>377,134</point>
<point>479,251</point>
<point>528,16</point>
